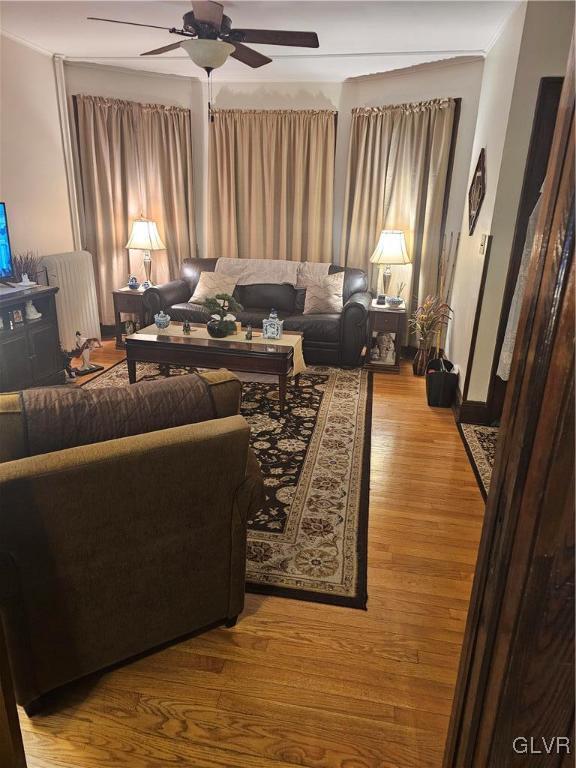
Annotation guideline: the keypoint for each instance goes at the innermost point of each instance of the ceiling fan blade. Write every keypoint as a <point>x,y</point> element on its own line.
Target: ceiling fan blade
<point>208,12</point>
<point>132,23</point>
<point>249,56</point>
<point>156,51</point>
<point>279,37</point>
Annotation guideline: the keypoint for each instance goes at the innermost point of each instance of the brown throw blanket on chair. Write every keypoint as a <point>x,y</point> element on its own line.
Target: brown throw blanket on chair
<point>64,417</point>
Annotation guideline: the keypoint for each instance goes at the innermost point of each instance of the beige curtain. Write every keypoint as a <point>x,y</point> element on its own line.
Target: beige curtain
<point>397,172</point>
<point>271,178</point>
<point>134,159</point>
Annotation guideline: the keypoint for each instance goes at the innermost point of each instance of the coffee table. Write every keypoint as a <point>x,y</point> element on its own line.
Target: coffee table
<point>173,347</point>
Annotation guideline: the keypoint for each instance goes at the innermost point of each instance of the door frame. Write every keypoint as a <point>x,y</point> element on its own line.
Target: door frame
<point>516,666</point>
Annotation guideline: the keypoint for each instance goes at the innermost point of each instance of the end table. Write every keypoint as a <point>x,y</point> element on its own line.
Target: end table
<point>383,319</point>
<point>128,301</point>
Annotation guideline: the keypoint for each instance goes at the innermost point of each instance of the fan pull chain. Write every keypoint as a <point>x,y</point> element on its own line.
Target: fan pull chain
<point>210,113</point>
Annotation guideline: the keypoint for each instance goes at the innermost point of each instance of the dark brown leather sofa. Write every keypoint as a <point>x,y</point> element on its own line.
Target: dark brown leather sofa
<point>329,339</point>
<point>112,548</point>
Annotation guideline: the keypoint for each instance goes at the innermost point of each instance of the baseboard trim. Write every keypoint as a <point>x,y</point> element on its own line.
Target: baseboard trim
<point>473,412</point>
<point>457,404</point>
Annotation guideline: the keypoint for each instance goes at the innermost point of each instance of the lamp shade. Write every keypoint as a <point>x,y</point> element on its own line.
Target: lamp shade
<point>144,236</point>
<point>208,54</point>
<point>391,248</point>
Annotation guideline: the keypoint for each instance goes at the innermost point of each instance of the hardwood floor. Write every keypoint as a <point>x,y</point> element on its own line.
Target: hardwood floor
<point>299,683</point>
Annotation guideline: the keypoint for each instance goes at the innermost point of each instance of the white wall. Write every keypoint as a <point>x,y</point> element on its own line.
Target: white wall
<point>534,44</point>
<point>277,95</point>
<point>32,173</point>
<point>493,111</point>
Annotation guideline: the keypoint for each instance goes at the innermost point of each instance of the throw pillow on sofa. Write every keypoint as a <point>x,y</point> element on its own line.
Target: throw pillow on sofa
<point>212,283</point>
<point>325,296</point>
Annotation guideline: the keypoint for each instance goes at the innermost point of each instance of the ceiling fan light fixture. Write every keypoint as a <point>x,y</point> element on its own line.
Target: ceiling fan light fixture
<point>208,54</point>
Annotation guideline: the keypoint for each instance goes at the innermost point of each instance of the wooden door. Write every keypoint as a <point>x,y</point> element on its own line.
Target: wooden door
<point>534,175</point>
<point>516,677</point>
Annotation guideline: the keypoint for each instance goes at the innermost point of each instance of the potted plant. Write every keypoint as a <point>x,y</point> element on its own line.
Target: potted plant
<point>26,266</point>
<point>222,320</point>
<point>427,322</point>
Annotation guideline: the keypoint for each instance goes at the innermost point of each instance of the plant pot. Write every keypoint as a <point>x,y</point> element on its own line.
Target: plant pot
<point>218,329</point>
<point>421,360</point>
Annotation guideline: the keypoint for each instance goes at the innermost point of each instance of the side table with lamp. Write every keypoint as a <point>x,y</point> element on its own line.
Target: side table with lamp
<point>390,251</point>
<point>387,317</point>
<point>144,237</point>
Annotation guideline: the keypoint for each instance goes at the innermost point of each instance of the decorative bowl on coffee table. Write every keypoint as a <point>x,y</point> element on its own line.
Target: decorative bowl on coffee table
<point>162,320</point>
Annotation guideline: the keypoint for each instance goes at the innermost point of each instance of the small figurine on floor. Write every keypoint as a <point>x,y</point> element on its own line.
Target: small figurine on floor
<point>82,349</point>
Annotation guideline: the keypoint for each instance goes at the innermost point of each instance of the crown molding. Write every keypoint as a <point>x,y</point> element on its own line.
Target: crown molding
<point>500,29</point>
<point>25,43</point>
<point>72,62</point>
<point>457,61</point>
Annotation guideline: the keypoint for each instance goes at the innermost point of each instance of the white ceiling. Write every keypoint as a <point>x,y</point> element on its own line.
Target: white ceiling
<point>356,37</point>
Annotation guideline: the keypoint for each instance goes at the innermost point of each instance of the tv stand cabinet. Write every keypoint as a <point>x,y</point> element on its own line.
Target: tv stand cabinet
<point>30,354</point>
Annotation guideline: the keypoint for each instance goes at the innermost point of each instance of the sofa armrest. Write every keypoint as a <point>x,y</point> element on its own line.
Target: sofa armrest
<point>163,296</point>
<point>354,328</point>
<point>364,298</point>
<point>123,545</point>
<point>225,390</point>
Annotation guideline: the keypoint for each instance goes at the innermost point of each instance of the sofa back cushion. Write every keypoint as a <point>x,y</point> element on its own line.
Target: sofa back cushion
<point>267,296</point>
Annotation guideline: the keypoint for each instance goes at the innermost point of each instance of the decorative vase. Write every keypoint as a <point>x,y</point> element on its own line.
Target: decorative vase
<point>133,283</point>
<point>272,327</point>
<point>31,312</point>
<point>421,359</point>
<point>218,329</point>
<point>162,320</point>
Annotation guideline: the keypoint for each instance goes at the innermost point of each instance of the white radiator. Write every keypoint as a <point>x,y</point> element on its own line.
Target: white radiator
<point>76,302</point>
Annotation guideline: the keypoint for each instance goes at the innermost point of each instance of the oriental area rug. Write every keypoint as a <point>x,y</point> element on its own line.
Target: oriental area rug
<point>309,541</point>
<point>480,444</point>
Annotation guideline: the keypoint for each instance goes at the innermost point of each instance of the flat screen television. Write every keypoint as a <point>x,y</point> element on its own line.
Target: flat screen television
<point>6,263</point>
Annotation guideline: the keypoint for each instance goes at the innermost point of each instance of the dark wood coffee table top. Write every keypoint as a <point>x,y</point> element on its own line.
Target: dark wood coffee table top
<point>176,348</point>
<point>151,335</point>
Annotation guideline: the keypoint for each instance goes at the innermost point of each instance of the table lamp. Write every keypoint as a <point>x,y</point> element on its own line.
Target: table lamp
<point>390,249</point>
<point>144,237</point>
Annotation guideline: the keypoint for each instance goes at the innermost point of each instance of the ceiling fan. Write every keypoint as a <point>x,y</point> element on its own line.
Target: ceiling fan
<point>211,37</point>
